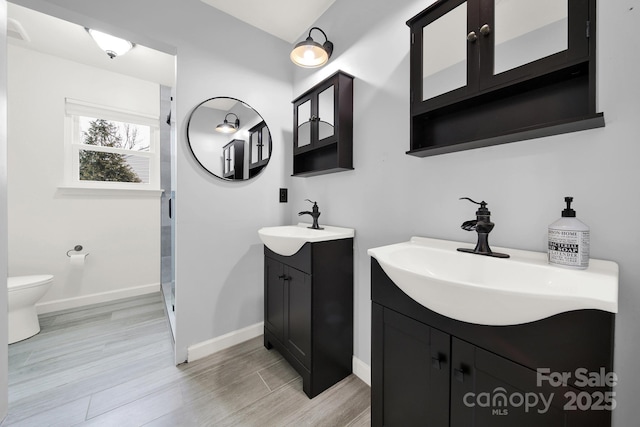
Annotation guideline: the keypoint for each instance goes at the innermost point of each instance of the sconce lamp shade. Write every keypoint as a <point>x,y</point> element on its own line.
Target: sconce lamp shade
<point>113,46</point>
<point>311,54</point>
<point>226,127</point>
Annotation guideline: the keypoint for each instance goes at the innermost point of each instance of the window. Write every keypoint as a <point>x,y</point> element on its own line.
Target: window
<point>110,148</point>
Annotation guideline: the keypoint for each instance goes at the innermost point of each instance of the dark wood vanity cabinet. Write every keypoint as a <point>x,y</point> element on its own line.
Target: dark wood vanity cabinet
<point>288,296</point>
<point>486,72</point>
<point>412,383</point>
<point>431,370</point>
<point>308,311</point>
<point>323,127</point>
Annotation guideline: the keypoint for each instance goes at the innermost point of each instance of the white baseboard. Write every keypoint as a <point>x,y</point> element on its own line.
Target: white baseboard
<point>81,301</point>
<point>207,348</point>
<point>362,370</point>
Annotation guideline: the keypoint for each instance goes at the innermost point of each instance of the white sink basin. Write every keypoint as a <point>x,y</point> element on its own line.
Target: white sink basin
<point>492,291</point>
<point>288,239</point>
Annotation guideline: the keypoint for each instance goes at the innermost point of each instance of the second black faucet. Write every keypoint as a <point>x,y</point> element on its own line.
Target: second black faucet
<point>315,213</point>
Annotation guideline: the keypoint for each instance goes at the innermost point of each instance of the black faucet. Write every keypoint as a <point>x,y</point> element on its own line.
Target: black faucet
<point>483,225</point>
<point>315,213</point>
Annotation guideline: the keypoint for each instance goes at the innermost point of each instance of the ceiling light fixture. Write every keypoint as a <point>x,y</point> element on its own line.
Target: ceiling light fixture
<point>311,54</point>
<point>227,127</point>
<point>113,46</point>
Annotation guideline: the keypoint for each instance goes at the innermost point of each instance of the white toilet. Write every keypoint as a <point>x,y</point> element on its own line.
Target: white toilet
<point>23,293</point>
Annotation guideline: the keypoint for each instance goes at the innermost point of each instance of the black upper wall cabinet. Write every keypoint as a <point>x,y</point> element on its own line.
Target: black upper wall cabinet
<point>323,127</point>
<point>486,72</point>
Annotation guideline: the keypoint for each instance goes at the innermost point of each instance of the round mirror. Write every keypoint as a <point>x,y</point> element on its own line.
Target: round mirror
<point>229,139</point>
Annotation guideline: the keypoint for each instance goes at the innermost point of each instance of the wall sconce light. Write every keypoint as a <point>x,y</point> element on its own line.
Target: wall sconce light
<point>227,127</point>
<point>311,54</point>
<point>113,46</point>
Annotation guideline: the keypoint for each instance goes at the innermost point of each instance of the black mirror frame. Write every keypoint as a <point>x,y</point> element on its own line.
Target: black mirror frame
<point>253,172</point>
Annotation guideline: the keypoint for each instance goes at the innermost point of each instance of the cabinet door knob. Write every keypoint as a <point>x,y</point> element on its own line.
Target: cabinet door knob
<point>472,36</point>
<point>284,277</point>
<point>458,374</point>
<point>485,30</point>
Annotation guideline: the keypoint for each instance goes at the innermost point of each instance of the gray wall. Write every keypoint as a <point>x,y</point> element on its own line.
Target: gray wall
<point>3,209</point>
<point>391,196</point>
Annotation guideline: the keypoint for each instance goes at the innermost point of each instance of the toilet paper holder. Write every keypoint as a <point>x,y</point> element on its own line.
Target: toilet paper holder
<point>76,248</point>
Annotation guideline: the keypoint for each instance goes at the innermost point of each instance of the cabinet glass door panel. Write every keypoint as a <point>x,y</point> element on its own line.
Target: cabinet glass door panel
<point>232,158</point>
<point>528,30</point>
<point>304,124</point>
<point>326,117</point>
<point>444,53</point>
<point>266,143</point>
<point>254,143</point>
<point>227,160</point>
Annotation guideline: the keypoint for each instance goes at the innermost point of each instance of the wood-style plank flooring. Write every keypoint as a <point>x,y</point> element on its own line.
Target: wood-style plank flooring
<point>112,365</point>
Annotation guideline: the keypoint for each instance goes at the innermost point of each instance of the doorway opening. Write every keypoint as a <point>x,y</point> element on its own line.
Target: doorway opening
<point>57,73</point>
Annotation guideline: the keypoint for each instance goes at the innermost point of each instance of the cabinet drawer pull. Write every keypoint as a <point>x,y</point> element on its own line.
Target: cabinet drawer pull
<point>284,277</point>
<point>458,374</point>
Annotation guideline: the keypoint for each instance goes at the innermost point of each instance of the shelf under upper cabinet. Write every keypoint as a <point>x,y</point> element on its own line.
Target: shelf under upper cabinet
<point>546,129</point>
<point>320,161</point>
<point>321,172</point>
<point>556,103</point>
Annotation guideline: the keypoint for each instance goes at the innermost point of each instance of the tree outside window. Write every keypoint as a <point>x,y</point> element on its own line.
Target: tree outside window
<point>99,166</point>
<point>112,166</point>
<point>109,148</point>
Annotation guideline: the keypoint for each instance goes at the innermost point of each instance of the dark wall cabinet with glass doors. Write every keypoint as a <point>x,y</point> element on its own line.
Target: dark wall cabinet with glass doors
<point>323,127</point>
<point>486,72</point>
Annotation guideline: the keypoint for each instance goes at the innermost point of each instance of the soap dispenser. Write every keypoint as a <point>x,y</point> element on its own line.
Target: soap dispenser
<point>569,240</point>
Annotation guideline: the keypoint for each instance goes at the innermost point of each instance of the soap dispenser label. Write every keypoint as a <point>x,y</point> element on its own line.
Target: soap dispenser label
<point>569,248</point>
